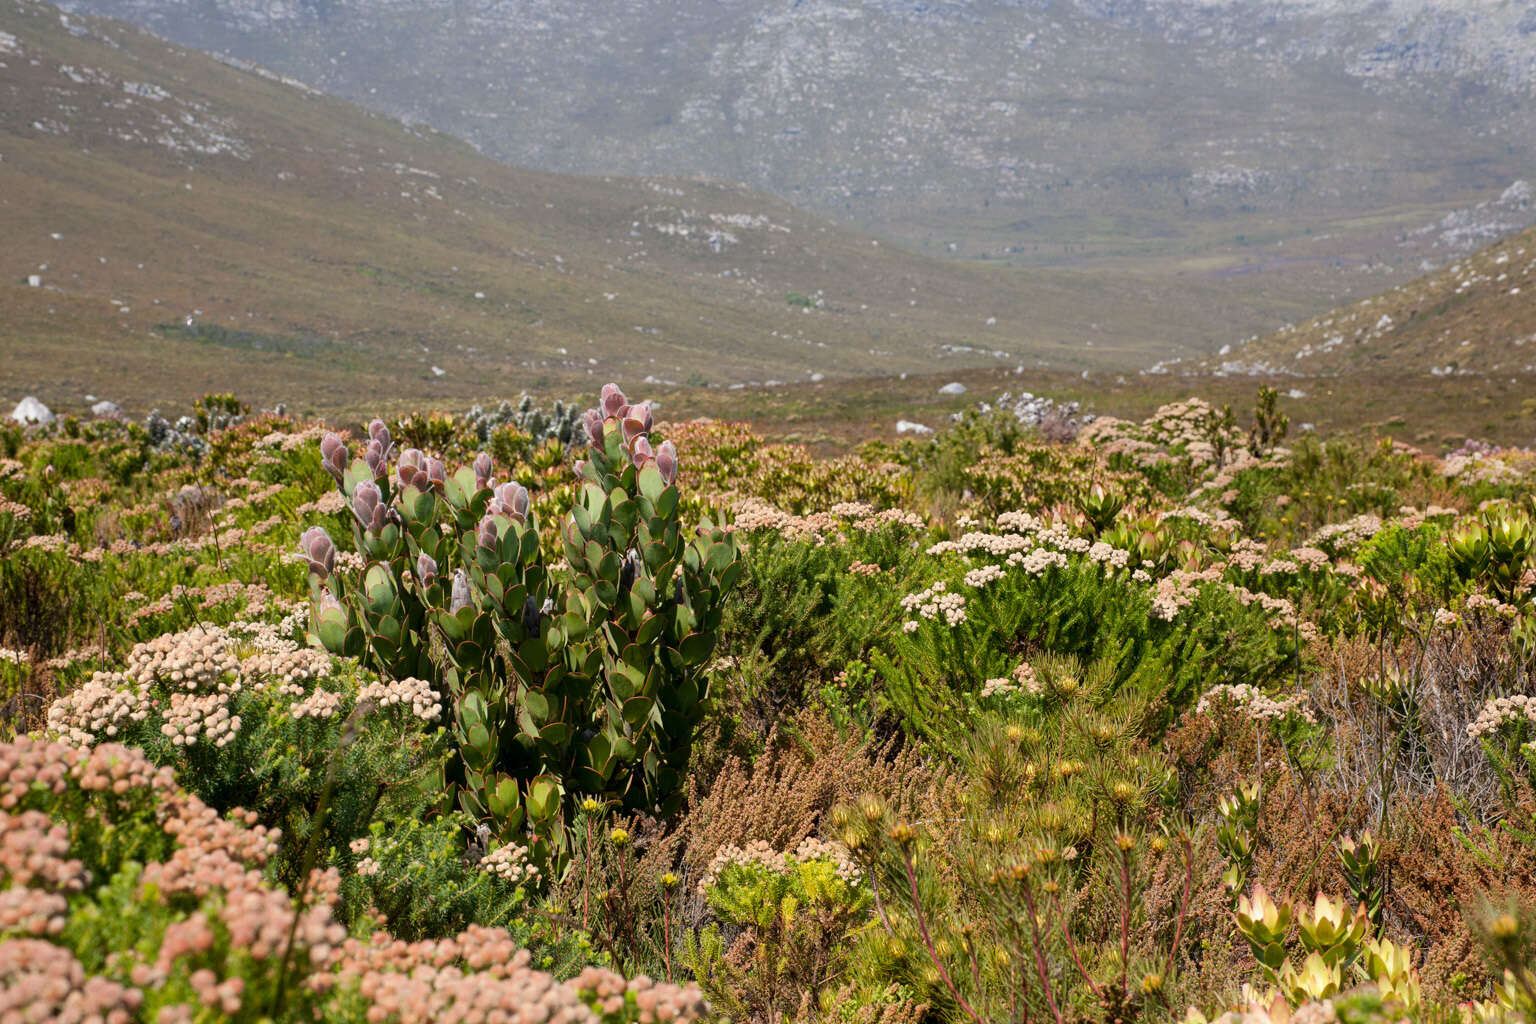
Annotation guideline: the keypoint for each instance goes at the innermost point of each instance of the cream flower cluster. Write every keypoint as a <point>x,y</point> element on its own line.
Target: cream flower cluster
<point>1022,679</point>
<point>759,853</point>
<point>195,660</point>
<point>1500,711</point>
<point>99,708</point>
<point>936,602</point>
<point>1252,703</point>
<point>416,694</point>
<point>320,705</point>
<point>200,717</point>
<point>509,862</point>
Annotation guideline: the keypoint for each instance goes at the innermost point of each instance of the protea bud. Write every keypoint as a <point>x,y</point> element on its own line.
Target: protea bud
<point>328,602</point>
<point>483,470</point>
<point>581,467</point>
<point>377,457</point>
<point>368,506</point>
<point>486,535</point>
<point>334,455</point>
<point>533,619</point>
<point>511,499</point>
<point>666,462</point>
<point>379,432</point>
<point>459,597</point>
<point>412,463</point>
<point>426,568</point>
<point>640,452</point>
<point>637,420</point>
<point>318,550</point>
<point>613,401</point>
<point>436,474</point>
<point>592,421</point>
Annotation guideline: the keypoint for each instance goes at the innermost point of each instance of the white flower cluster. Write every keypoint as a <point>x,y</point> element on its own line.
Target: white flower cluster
<point>1019,522</point>
<point>1178,590</point>
<point>321,704</point>
<point>1253,704</point>
<point>935,602</point>
<point>99,708</point>
<point>1036,562</point>
<point>1349,534</point>
<point>192,718</point>
<point>510,864</point>
<point>1501,710</point>
<point>288,669</point>
<point>198,659</point>
<point>759,853</point>
<point>417,694</point>
<point>1022,679</point>
<point>1108,554</point>
<point>992,543</point>
<point>984,574</point>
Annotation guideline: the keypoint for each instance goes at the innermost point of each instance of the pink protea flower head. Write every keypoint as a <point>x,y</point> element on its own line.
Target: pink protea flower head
<point>613,401</point>
<point>486,535</point>
<point>436,473</point>
<point>637,421</point>
<point>318,551</point>
<point>666,462</point>
<point>641,453</point>
<point>592,420</point>
<point>511,499</point>
<point>377,431</point>
<point>411,465</point>
<point>334,455</point>
<point>483,468</point>
<point>426,568</point>
<point>368,506</point>
<point>377,457</point>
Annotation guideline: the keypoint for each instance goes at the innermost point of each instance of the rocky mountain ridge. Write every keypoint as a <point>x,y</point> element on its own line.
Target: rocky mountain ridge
<point>1017,129</point>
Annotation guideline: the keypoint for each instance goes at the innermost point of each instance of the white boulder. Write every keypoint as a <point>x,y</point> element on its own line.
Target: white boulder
<point>954,387</point>
<point>30,410</point>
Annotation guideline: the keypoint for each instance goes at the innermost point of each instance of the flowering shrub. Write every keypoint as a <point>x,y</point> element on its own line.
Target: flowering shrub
<point>308,727</point>
<point>128,899</point>
<point>583,682</point>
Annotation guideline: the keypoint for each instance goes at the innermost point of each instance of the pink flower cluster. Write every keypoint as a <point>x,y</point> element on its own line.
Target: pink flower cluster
<point>482,977</point>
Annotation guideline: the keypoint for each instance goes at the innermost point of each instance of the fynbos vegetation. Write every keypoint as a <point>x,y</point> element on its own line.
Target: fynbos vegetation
<point>1185,717</point>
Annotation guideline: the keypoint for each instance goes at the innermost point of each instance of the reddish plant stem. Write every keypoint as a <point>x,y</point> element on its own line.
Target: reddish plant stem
<point>1077,960</point>
<point>1040,967</point>
<point>933,956</point>
<point>1178,928</point>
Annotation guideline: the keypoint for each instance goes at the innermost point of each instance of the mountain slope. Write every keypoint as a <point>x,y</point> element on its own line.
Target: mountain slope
<point>194,225</point>
<point>1477,316</point>
<point>1037,131</point>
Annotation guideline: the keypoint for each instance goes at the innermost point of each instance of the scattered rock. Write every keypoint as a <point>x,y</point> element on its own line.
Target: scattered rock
<point>34,281</point>
<point>106,410</point>
<point>954,387</point>
<point>30,410</point>
<point>907,426</point>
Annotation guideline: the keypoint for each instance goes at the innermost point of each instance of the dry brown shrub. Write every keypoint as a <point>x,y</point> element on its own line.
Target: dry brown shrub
<point>808,766</point>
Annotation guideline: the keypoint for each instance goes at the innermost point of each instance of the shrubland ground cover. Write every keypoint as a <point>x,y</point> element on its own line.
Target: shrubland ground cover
<point>530,715</point>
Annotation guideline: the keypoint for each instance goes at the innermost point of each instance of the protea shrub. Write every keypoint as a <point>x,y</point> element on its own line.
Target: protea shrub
<point>584,681</point>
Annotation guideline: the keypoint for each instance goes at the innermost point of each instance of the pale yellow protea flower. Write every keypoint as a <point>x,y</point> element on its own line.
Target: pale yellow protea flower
<point>1331,929</point>
<point>1261,920</point>
<point>1316,980</point>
